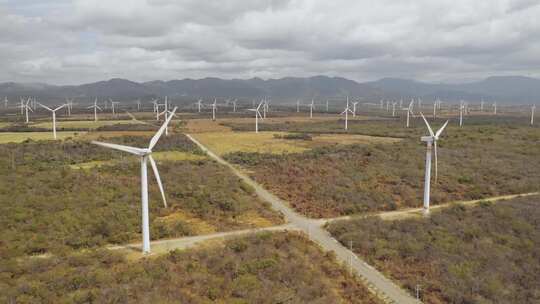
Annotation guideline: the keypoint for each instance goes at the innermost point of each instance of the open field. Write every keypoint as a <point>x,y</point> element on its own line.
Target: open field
<point>47,206</point>
<point>81,124</point>
<point>481,160</point>
<point>223,143</point>
<point>17,137</point>
<point>262,268</point>
<point>483,254</point>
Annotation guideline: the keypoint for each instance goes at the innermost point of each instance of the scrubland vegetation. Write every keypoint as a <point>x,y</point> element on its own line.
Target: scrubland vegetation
<point>484,254</point>
<point>263,268</point>
<point>47,206</point>
<point>476,161</point>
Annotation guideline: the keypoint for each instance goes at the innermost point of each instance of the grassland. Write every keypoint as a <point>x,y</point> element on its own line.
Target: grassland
<point>223,143</point>
<point>81,124</point>
<point>47,206</point>
<point>484,254</point>
<point>486,158</point>
<point>17,137</point>
<point>263,268</point>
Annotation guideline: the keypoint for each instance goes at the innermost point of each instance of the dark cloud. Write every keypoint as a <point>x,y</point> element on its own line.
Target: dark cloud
<point>88,40</point>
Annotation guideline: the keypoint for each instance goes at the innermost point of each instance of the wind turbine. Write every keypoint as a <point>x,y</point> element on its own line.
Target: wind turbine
<point>138,105</point>
<point>53,116</point>
<point>327,106</point>
<point>354,107</point>
<point>266,108</point>
<point>495,108</point>
<point>394,109</point>
<point>257,115</point>
<point>461,108</point>
<point>297,105</point>
<point>95,107</point>
<point>69,103</point>
<point>26,108</point>
<point>214,109</point>
<point>346,112</point>
<point>165,113</point>
<point>482,105</point>
<point>199,103</point>
<point>145,154</point>
<point>430,140</point>
<point>409,111</point>
<point>532,113</point>
<point>234,105</point>
<point>311,105</point>
<point>113,103</point>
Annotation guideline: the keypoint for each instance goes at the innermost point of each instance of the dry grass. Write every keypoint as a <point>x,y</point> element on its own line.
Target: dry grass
<point>17,137</point>
<point>83,124</point>
<point>158,156</point>
<point>265,142</point>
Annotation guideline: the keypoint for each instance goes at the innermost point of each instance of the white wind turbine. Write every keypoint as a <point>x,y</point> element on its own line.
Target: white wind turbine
<point>495,108</point>
<point>257,115</point>
<point>435,108</point>
<point>346,112</point>
<point>482,105</point>
<point>394,109</point>
<point>199,103</point>
<point>145,154</point>
<point>311,105</point>
<point>234,105</point>
<point>533,108</point>
<point>265,107</point>
<point>430,140</point>
<point>69,103</point>
<point>138,105</point>
<point>353,106</point>
<point>214,109</point>
<point>409,111</point>
<point>95,107</point>
<point>461,108</point>
<point>53,116</point>
<point>327,106</point>
<point>26,108</point>
<point>166,112</point>
<point>297,105</point>
<point>113,103</point>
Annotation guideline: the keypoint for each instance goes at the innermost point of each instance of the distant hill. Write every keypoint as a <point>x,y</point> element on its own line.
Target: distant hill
<point>510,89</point>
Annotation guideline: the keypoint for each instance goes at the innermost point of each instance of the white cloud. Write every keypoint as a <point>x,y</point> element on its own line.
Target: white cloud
<point>89,40</point>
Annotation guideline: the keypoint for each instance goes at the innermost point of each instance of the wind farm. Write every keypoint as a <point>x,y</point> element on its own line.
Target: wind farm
<point>174,152</point>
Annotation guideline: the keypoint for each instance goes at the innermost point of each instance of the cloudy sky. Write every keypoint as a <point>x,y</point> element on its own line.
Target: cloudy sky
<point>71,42</point>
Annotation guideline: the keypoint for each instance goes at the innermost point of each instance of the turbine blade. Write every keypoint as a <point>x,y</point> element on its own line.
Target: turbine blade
<point>43,106</point>
<point>441,129</point>
<point>427,124</point>
<point>60,107</point>
<point>158,179</point>
<point>128,149</point>
<point>156,137</point>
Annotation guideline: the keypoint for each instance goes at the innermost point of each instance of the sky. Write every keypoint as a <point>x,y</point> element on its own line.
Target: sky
<point>73,42</point>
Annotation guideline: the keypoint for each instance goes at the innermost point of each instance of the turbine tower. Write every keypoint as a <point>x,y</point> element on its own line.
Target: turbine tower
<point>431,142</point>
<point>214,108</point>
<point>146,155</point>
<point>409,111</point>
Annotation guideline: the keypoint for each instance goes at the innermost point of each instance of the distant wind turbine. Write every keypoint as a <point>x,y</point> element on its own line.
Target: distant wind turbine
<point>145,154</point>
<point>430,140</point>
<point>95,107</point>
<point>214,109</point>
<point>53,116</point>
<point>461,108</point>
<point>311,105</point>
<point>346,112</point>
<point>409,111</point>
<point>533,108</point>
<point>257,115</point>
<point>354,107</point>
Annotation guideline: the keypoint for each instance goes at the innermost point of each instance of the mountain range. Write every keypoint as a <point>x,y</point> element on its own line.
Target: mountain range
<point>508,89</point>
